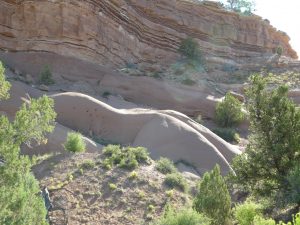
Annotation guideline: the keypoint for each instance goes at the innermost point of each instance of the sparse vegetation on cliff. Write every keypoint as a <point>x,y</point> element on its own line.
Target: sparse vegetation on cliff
<point>190,49</point>
<point>46,76</point>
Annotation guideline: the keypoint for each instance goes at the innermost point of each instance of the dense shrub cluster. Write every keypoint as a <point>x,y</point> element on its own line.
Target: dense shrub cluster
<point>124,157</point>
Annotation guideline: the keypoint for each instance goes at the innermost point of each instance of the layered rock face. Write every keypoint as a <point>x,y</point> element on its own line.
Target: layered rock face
<point>116,32</point>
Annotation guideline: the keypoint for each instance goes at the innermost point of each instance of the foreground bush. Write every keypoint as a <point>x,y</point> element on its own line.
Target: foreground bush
<point>258,220</point>
<point>213,198</point>
<point>246,212</point>
<point>176,180</point>
<point>75,143</point>
<point>229,111</point>
<point>183,217</point>
<point>126,157</point>
<point>228,134</point>
<point>165,166</point>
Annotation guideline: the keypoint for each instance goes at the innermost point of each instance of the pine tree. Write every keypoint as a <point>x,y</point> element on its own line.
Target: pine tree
<point>213,198</point>
<point>274,142</point>
<point>20,201</point>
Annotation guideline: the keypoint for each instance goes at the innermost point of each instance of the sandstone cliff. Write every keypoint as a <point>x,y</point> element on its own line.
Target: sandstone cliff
<point>116,32</point>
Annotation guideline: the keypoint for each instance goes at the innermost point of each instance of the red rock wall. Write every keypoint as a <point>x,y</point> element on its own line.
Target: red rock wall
<point>113,32</point>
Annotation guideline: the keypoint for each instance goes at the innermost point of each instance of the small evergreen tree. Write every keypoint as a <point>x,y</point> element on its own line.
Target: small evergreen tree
<point>274,142</point>
<point>213,198</point>
<point>20,201</point>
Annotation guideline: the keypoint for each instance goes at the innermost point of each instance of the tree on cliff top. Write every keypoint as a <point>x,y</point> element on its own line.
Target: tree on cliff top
<point>20,202</point>
<point>241,6</point>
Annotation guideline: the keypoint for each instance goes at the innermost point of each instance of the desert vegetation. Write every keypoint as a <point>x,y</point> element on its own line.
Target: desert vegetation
<point>124,157</point>
<point>46,76</point>
<point>20,201</point>
<point>229,112</point>
<point>269,168</point>
<point>75,142</point>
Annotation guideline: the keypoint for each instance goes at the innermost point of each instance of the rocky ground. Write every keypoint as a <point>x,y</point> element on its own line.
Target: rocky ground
<point>83,192</point>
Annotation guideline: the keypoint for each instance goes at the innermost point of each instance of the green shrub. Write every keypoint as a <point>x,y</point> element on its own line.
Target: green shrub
<point>183,217</point>
<point>296,221</point>
<point>213,198</point>
<point>46,76</point>
<point>258,220</point>
<point>112,186</point>
<point>176,180</point>
<point>229,111</point>
<point>190,49</point>
<point>133,175</point>
<point>279,50</point>
<point>87,164</point>
<point>4,85</point>
<point>75,143</point>
<point>188,81</point>
<point>165,166</point>
<point>126,157</point>
<point>246,212</point>
<point>228,134</point>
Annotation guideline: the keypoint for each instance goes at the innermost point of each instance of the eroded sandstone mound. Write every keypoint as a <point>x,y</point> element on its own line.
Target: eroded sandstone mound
<point>116,32</point>
<point>168,134</point>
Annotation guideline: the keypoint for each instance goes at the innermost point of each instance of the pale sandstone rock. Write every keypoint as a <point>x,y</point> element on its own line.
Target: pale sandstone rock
<point>175,137</point>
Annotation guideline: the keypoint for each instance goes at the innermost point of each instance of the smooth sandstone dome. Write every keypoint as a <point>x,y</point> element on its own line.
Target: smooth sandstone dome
<point>164,133</point>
